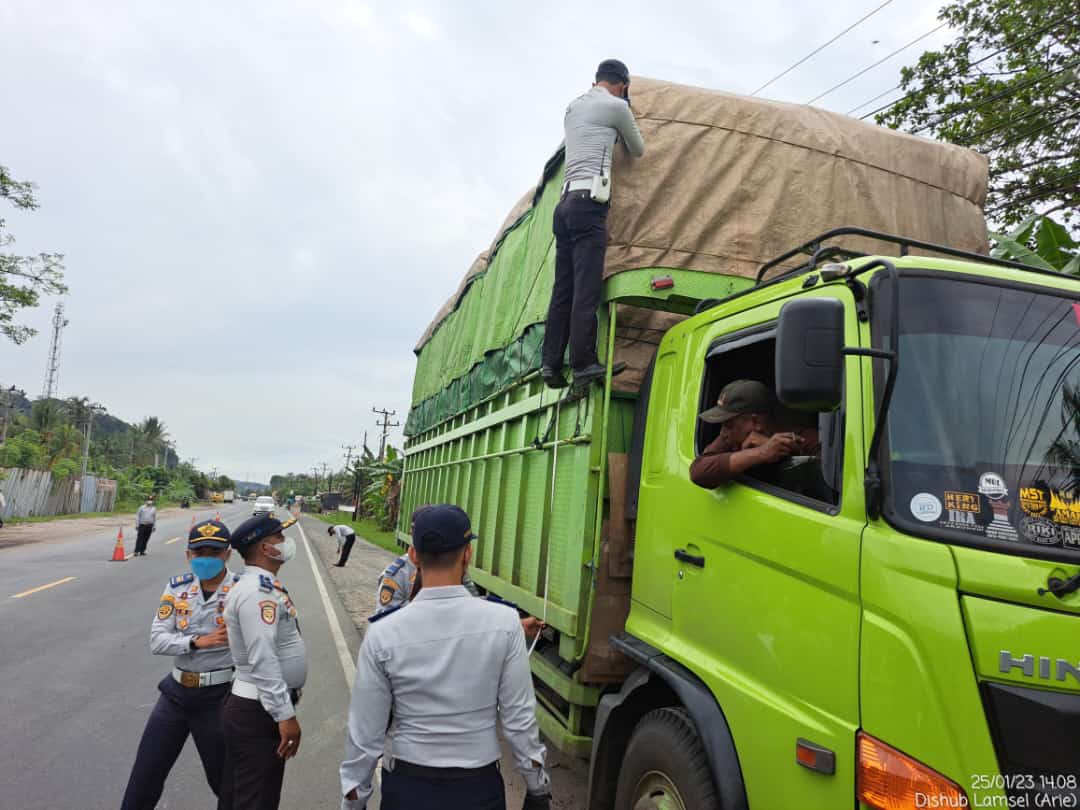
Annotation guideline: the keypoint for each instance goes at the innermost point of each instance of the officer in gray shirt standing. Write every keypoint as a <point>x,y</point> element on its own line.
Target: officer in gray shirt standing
<point>145,521</point>
<point>261,730</point>
<point>592,124</point>
<point>433,678</point>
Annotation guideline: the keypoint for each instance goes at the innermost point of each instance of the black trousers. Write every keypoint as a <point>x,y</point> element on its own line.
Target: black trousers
<point>481,790</point>
<point>178,712</point>
<point>345,549</point>
<point>142,537</point>
<point>253,770</point>
<point>580,227</point>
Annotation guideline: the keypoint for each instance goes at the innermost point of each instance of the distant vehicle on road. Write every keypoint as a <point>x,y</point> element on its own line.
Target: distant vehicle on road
<point>216,497</point>
<point>264,505</point>
<point>228,496</point>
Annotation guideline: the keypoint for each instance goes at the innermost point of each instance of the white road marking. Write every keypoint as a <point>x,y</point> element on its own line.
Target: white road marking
<point>347,663</point>
<point>171,541</point>
<point>42,587</point>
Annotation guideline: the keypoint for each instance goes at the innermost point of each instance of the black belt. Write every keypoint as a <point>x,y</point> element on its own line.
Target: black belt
<point>415,771</point>
<point>582,193</point>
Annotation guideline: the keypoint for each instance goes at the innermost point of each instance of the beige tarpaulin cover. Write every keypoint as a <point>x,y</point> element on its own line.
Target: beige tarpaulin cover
<point>728,182</point>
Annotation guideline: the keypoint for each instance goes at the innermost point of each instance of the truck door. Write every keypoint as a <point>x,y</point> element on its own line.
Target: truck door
<point>765,571</point>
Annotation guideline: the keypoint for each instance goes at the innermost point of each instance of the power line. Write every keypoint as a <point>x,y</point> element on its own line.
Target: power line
<point>1044,190</point>
<point>820,48</point>
<point>875,98</point>
<point>1008,91</point>
<point>1023,136</point>
<point>1038,32</point>
<point>878,62</point>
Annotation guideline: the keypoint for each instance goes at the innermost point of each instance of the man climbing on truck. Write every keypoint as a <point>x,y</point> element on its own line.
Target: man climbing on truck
<point>592,123</point>
<point>748,437</point>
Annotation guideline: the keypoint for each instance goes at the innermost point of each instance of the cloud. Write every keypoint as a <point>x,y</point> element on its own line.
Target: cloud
<point>264,203</point>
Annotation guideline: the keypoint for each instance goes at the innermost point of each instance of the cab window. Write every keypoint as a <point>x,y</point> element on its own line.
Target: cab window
<point>811,474</point>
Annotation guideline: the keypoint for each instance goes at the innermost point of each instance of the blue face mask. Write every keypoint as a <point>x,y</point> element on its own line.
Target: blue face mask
<point>207,567</point>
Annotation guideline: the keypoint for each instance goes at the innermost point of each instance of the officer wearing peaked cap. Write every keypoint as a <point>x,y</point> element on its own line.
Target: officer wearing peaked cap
<point>190,626</point>
<point>432,680</point>
<point>259,718</point>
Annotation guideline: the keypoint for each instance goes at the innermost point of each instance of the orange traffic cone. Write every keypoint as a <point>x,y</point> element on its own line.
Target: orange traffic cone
<point>118,549</point>
<point>217,517</point>
<point>192,526</point>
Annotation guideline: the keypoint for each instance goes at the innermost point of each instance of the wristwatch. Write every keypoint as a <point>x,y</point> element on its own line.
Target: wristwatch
<point>191,644</point>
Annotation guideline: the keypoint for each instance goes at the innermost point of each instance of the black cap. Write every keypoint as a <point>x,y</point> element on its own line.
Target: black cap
<point>615,69</point>
<point>211,533</point>
<point>739,397</point>
<point>256,528</point>
<point>443,527</point>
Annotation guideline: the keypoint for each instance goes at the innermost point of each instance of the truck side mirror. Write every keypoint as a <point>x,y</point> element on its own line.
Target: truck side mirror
<point>810,354</point>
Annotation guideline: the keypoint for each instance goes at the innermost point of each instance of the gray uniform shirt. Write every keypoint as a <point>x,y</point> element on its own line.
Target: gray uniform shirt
<point>445,667</point>
<point>342,532</point>
<point>264,636</point>
<point>183,614</point>
<point>592,121</point>
<point>146,516</point>
<point>396,584</point>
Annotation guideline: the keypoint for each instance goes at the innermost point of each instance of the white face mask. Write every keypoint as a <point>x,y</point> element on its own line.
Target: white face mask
<point>285,550</point>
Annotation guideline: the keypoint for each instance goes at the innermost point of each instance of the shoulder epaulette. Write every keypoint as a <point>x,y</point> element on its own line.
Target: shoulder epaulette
<point>384,613</point>
<point>265,583</point>
<point>500,601</point>
<point>394,567</point>
<point>181,579</point>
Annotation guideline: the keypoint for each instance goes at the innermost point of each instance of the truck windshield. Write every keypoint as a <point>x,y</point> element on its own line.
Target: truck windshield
<point>983,440</point>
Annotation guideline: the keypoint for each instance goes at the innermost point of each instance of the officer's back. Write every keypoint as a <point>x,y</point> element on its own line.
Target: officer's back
<point>433,680</point>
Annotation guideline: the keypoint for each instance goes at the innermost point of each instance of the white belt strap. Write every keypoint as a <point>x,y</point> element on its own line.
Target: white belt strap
<point>578,185</point>
<point>200,679</point>
<point>245,689</point>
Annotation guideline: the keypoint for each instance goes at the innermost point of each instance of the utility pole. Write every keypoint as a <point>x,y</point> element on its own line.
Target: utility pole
<point>329,478</point>
<point>315,472</point>
<point>90,411</point>
<point>348,448</point>
<point>386,424</point>
<point>9,394</point>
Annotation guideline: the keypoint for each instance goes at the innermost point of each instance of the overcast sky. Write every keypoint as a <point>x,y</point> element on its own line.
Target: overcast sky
<point>262,204</point>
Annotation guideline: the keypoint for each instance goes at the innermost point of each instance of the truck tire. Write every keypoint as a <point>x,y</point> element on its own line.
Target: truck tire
<point>665,767</point>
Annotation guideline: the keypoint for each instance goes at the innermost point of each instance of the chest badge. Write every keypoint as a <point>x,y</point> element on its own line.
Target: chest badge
<point>268,611</point>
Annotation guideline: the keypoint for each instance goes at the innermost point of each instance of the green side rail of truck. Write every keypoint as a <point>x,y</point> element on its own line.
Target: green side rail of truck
<point>892,623</point>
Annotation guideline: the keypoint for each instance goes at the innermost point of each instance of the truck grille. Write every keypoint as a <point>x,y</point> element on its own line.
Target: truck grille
<point>1037,739</point>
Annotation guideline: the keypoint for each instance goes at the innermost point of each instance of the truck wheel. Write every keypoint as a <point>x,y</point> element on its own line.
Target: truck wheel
<point>665,767</point>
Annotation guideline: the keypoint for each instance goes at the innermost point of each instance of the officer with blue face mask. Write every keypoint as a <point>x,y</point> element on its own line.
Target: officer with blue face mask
<point>190,625</point>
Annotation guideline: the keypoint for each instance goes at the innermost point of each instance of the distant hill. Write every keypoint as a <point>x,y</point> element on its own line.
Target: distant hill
<point>245,487</point>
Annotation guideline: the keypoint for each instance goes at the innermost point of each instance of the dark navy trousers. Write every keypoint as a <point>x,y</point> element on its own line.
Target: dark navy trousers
<point>481,790</point>
<point>179,711</point>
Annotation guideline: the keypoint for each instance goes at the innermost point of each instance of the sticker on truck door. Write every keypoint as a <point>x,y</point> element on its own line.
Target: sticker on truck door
<point>962,511</point>
<point>993,487</point>
<point>925,507</point>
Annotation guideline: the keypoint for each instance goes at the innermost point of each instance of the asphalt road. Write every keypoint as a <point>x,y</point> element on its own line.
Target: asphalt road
<point>79,680</point>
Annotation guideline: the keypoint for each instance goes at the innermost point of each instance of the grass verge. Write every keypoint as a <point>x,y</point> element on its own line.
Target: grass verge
<point>365,529</point>
<point>123,509</point>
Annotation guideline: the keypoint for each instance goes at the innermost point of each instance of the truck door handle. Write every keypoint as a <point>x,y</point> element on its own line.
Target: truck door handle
<point>683,555</point>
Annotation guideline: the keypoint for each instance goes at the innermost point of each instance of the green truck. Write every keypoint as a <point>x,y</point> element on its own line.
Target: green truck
<point>892,622</point>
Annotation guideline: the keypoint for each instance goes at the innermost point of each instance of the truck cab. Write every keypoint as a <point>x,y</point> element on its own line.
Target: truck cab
<point>892,620</point>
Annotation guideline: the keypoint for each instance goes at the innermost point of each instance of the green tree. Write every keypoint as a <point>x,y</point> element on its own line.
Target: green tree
<point>1039,242</point>
<point>23,279</point>
<point>1009,87</point>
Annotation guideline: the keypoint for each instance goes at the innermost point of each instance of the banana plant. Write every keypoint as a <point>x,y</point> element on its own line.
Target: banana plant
<point>1040,242</point>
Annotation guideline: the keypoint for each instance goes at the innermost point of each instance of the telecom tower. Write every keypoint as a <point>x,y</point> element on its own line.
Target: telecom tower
<point>52,371</point>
